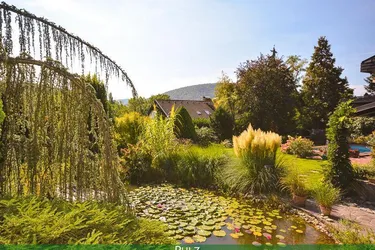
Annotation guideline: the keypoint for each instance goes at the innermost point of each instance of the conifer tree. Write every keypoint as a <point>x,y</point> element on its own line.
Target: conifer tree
<point>323,87</point>
<point>370,87</point>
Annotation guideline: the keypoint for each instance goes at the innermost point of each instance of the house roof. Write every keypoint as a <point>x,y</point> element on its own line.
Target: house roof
<point>361,100</point>
<point>196,109</point>
<point>366,109</point>
<point>368,65</point>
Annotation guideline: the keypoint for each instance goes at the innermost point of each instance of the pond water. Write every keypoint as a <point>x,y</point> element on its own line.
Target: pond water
<point>360,148</point>
<point>199,216</point>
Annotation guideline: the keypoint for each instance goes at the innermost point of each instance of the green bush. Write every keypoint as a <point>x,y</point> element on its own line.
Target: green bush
<point>293,182</point>
<point>40,221</point>
<point>326,194</point>
<point>199,167</point>
<point>128,128</point>
<point>362,126</point>
<point>347,232</point>
<point>301,147</point>
<point>222,123</point>
<point>206,136</point>
<point>201,122</point>
<point>184,127</point>
<point>340,171</point>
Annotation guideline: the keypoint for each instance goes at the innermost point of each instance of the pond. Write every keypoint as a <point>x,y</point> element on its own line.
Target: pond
<point>199,216</point>
<point>360,148</point>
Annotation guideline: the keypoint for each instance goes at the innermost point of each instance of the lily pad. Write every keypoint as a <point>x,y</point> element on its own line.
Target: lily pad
<point>178,237</point>
<point>219,233</point>
<point>204,233</point>
<point>234,235</point>
<point>256,243</point>
<point>280,237</point>
<point>294,227</point>
<point>257,233</point>
<point>299,231</point>
<point>199,239</point>
<point>281,244</point>
<point>188,240</point>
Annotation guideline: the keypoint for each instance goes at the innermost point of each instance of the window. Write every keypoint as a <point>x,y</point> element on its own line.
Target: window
<point>199,113</point>
<point>207,112</point>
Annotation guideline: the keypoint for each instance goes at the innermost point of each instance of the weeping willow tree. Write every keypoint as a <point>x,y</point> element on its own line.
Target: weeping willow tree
<point>52,116</point>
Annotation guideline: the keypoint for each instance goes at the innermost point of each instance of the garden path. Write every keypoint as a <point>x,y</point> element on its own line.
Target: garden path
<point>363,214</point>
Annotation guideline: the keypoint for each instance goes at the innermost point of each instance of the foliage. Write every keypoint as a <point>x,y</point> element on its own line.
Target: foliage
<point>326,194</point>
<point>370,87</point>
<point>198,167</point>
<point>340,172</point>
<point>2,114</point>
<point>206,136</point>
<point>40,221</point>
<point>129,128</point>
<point>201,122</point>
<point>222,123</point>
<point>227,143</point>
<point>294,183</point>
<point>159,139</point>
<point>301,147</point>
<point>144,105</point>
<point>118,108</point>
<point>257,171</point>
<point>47,147</point>
<point>225,94</point>
<point>42,37</point>
<point>347,232</point>
<point>297,66</point>
<point>268,96</point>
<point>184,127</point>
<point>364,171</point>
<point>323,88</point>
<point>362,126</point>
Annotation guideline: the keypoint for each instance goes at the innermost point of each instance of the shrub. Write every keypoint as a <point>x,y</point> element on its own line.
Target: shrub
<point>184,127</point>
<point>340,172</point>
<point>222,123</point>
<point>364,171</point>
<point>198,167</point>
<point>347,232</point>
<point>201,122</point>
<point>301,147</point>
<point>40,221</point>
<point>128,128</point>
<point>326,194</point>
<point>257,171</point>
<point>293,182</point>
<point>362,126</point>
<point>206,136</point>
<point>227,143</point>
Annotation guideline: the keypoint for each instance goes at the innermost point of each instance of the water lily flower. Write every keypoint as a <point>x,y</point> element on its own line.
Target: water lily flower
<point>236,230</point>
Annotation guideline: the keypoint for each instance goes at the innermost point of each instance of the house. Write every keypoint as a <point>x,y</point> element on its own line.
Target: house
<point>196,109</point>
<point>366,106</point>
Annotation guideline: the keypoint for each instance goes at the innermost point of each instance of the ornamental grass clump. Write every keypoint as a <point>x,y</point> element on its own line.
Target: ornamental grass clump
<point>257,170</point>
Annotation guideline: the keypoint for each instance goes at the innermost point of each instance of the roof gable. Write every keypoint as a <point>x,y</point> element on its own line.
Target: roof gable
<point>368,65</point>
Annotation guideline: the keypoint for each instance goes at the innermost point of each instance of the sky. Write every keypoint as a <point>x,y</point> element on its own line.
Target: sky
<point>167,44</point>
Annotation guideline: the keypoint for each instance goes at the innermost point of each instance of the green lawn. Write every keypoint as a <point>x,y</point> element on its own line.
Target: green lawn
<point>310,169</point>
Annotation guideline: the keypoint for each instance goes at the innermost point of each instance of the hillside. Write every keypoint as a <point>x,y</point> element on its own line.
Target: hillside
<point>194,92</point>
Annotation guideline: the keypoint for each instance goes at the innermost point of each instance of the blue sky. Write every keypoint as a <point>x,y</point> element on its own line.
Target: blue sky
<point>166,44</point>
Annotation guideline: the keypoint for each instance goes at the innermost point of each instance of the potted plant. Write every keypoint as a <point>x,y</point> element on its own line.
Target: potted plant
<point>326,195</point>
<point>296,186</point>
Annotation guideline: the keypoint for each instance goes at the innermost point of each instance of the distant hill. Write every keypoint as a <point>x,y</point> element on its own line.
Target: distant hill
<point>193,92</point>
<point>123,101</point>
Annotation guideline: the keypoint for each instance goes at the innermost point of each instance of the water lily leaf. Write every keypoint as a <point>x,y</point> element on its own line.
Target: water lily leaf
<point>178,237</point>
<point>188,240</point>
<point>204,233</point>
<point>294,227</point>
<point>268,236</point>
<point>274,227</point>
<point>207,228</point>
<point>280,237</point>
<point>234,235</point>
<point>279,217</point>
<point>219,233</point>
<point>172,227</point>
<point>230,226</point>
<point>267,223</point>
<point>217,227</point>
<point>209,223</point>
<point>183,224</point>
<point>257,233</point>
<point>171,233</point>
<point>199,239</point>
<point>240,234</point>
<point>282,230</point>
<point>189,228</point>
<point>246,226</point>
<point>299,231</point>
<point>248,231</point>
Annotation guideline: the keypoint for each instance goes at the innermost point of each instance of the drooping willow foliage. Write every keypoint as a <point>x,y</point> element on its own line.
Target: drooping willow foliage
<point>37,34</point>
<point>56,138</point>
<point>46,146</point>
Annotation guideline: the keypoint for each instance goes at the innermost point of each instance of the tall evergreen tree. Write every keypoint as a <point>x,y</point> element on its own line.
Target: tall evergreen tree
<point>370,87</point>
<point>323,87</point>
